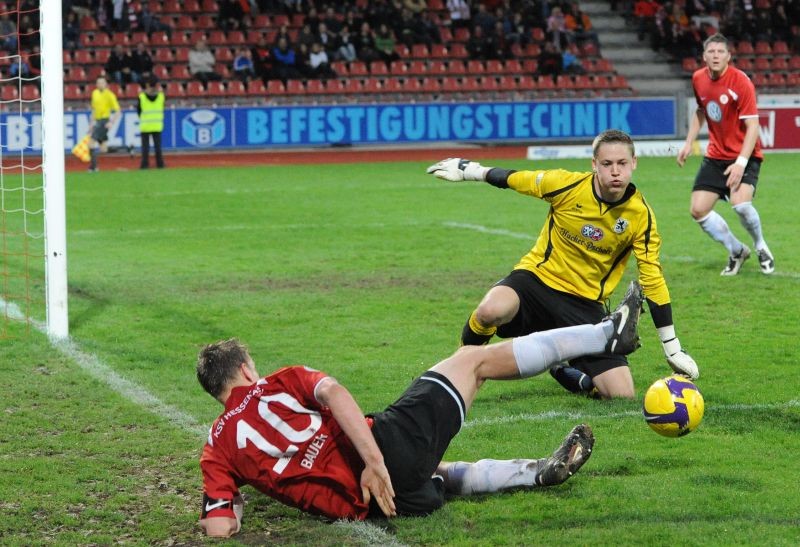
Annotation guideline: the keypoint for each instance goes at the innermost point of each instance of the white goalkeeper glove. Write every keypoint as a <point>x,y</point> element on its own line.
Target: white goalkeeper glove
<point>457,169</point>
<point>680,361</point>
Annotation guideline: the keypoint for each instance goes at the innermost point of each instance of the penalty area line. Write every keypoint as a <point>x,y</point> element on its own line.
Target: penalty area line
<point>94,367</point>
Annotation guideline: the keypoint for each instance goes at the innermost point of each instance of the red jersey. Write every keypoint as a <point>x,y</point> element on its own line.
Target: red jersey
<point>726,102</point>
<point>275,436</point>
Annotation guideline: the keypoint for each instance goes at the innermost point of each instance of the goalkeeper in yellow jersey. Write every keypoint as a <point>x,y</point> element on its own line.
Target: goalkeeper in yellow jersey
<point>596,221</point>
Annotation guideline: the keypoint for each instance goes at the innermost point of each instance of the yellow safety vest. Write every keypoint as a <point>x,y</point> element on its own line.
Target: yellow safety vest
<point>151,120</point>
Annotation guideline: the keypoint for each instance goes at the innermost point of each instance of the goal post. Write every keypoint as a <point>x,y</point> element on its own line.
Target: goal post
<point>55,228</point>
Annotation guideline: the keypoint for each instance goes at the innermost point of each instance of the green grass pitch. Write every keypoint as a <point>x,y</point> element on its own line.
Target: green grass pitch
<point>368,272</point>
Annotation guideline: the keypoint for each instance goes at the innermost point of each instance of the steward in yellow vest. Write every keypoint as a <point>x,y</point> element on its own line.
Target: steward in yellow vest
<point>151,122</point>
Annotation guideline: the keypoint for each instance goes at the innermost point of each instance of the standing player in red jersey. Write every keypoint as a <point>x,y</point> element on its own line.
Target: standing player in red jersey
<point>298,436</point>
<point>726,98</point>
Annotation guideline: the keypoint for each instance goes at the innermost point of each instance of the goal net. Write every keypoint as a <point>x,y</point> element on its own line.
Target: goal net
<point>32,219</point>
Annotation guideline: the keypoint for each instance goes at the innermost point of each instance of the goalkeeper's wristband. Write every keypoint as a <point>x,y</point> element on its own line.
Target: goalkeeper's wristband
<point>668,339</point>
<point>473,170</point>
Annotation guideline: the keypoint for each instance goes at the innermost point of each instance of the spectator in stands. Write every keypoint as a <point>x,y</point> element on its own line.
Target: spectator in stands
<point>345,48</point>
<point>201,63</point>
<point>284,61</point>
<point>149,22</point>
<point>120,66</point>
<point>580,25</point>
<point>283,32</point>
<point>231,14</point>
<point>781,24</point>
<point>661,31</point>
<point>319,63</point>
<point>19,67</point>
<point>501,41</point>
<point>332,21</point>
<point>520,32</point>
<point>570,64</point>
<point>243,67</point>
<point>28,32</point>
<point>71,31</point>
<point>352,20</point>
<point>261,53</point>
<point>365,44</point>
<point>557,31</point>
<point>460,13</point>
<point>644,11</point>
<point>142,62</point>
<point>306,36</point>
<point>325,37</point>
<point>549,62</point>
<point>8,32</point>
<point>417,7</point>
<point>484,19</point>
<point>411,30</point>
<point>312,18</point>
<point>385,43</point>
<point>763,25</point>
<point>119,16</point>
<point>479,46</point>
<point>430,28</point>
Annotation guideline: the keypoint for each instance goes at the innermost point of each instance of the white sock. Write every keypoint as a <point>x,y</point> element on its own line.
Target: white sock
<point>538,352</point>
<point>749,218</point>
<point>715,226</point>
<point>487,476</point>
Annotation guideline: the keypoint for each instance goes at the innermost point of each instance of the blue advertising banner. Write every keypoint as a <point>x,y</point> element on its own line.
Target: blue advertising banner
<point>381,124</point>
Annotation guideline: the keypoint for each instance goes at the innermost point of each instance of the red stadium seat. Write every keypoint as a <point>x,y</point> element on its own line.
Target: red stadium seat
<point>530,66</point>
<point>475,67</point>
<point>161,72</point>
<point>430,85</point>
<point>486,83</point>
<point>512,67</point>
<point>340,68</point>
<point>335,87</point>
<point>450,85</point>
<point>761,64</point>
<point>794,63</point>
<point>458,51</point>
<point>689,64</point>
<point>374,85</point>
<point>455,67</point>
<point>73,92</point>
<point>779,64</point>
<point>293,87</point>
<point>358,68</point>
<point>399,68</point>
<point>461,34</point>
<point>420,51</point>
<point>180,72</point>
<point>378,68</point>
<point>775,79</point>
<point>315,87</point>
<point>526,83</point>
<point>744,48</point>
<point>780,47</point>
<point>351,86</point>
<point>195,89</point>
<point>163,55</point>
<point>744,63</point>
<point>763,48</point>
<point>256,88</point>
<point>236,88</point>
<point>174,89</point>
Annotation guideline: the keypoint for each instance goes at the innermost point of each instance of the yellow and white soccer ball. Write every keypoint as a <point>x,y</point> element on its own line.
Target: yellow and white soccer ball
<point>673,406</point>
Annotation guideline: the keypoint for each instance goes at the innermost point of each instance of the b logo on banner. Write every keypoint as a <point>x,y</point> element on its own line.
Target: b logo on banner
<point>203,128</point>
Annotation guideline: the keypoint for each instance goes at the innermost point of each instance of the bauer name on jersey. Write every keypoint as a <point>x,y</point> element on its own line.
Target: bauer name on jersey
<point>275,436</point>
<point>585,242</point>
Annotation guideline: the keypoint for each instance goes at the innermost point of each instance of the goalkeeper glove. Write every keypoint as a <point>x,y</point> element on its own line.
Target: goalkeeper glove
<point>680,361</point>
<point>457,169</point>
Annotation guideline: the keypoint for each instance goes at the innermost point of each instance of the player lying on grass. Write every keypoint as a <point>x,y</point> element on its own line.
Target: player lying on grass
<point>298,435</point>
<point>597,219</point>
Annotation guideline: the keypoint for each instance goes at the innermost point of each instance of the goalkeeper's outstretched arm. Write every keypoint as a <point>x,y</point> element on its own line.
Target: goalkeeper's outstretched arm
<point>677,358</point>
<point>459,169</point>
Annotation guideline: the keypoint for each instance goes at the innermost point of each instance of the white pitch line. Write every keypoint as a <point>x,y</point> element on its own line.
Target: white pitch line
<point>555,414</point>
<point>531,237</point>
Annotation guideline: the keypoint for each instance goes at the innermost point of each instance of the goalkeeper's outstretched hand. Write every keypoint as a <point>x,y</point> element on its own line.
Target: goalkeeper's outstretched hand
<point>682,363</point>
<point>458,169</point>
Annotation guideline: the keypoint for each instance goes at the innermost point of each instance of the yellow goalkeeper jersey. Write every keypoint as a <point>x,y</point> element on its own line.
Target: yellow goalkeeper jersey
<point>585,243</point>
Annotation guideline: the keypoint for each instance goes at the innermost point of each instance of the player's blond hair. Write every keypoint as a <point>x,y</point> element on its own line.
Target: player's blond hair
<point>612,136</point>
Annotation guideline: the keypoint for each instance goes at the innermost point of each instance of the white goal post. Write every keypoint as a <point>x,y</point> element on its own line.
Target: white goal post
<point>55,229</point>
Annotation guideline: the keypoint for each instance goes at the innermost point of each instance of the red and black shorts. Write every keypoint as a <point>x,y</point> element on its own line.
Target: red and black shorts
<point>542,308</point>
<point>413,434</point>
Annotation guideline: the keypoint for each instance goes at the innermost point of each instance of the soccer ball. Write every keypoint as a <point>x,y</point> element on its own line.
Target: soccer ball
<point>673,406</point>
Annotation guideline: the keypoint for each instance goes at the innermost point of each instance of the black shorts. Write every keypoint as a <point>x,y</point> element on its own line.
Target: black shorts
<point>100,131</point>
<point>413,435</point>
<point>542,308</point>
<point>711,178</point>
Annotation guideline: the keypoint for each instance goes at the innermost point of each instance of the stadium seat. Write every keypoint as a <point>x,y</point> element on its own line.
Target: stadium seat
<point>73,92</point>
<point>205,22</point>
<point>340,68</point>
<point>538,35</point>
<point>779,64</point>
<point>402,51</point>
<point>531,50</point>
<point>9,93</point>
<point>236,88</point>
<point>461,34</point>
<point>545,83</point>
<point>256,88</point>
<point>420,51</point>
<point>512,67</point>
<point>763,48</point>
<point>236,38</point>
<point>351,86</point>
<point>603,65</point>
<point>430,85</point>
<point>483,83</point>
<point>180,72</point>
<point>163,55</point>
<point>744,48</point>
<point>261,21</point>
<point>216,38</point>
<point>794,63</point>
<point>378,68</point>
<point>359,68</point>
<point>744,64</point>
<point>216,90</point>
<point>293,87</point>
<point>450,85</point>
<point>195,89</point>
<point>774,79</point>
<point>174,89</point>
<point>455,67</point>
<point>182,55</point>
<point>315,87</point>
<point>399,68</point>
<point>446,35</point>
<point>374,85</point>
<point>209,6</point>
<point>760,80</point>
<point>458,51</point>
<point>475,67</point>
<point>159,39</point>
<point>191,6</point>
<point>689,64</point>
<point>530,66</point>
<point>526,83</point>
<point>565,82</point>
<point>184,23</point>
<point>779,47</point>
<point>161,72</point>
<point>761,64</point>
<point>88,24</point>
